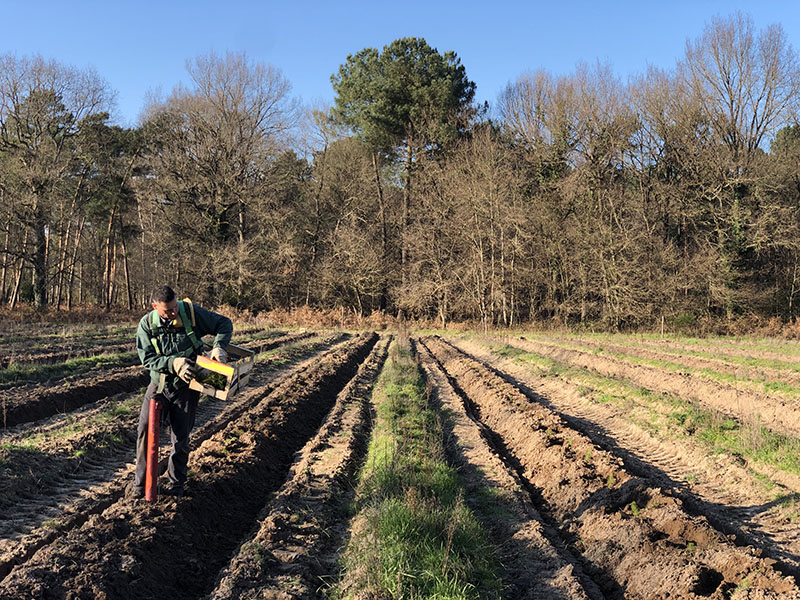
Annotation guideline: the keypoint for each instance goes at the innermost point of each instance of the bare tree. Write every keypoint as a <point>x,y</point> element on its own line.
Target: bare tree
<point>214,142</point>
<point>747,82</point>
<point>42,104</point>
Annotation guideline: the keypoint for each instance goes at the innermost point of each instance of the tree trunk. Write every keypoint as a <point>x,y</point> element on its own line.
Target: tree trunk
<point>18,282</point>
<point>382,302</point>
<point>109,249</point>
<point>40,258</point>
<point>110,242</point>
<point>112,277</point>
<point>62,266</point>
<point>240,300</point>
<point>405,217</point>
<point>127,274</point>
<point>64,241</point>
<point>73,262</point>
<point>3,294</point>
<point>317,225</point>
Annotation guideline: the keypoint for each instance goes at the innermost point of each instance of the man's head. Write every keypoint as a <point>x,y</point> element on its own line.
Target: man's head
<point>164,302</point>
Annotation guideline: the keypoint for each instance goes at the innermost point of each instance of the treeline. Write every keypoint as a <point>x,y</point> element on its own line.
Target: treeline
<point>577,198</point>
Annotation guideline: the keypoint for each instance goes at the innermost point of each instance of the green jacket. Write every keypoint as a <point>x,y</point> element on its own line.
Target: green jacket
<point>173,341</point>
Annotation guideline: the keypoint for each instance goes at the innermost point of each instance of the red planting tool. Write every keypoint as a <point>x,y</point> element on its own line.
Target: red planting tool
<point>151,474</point>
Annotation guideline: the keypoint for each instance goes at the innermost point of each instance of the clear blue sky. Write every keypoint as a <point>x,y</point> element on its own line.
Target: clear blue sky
<point>143,45</point>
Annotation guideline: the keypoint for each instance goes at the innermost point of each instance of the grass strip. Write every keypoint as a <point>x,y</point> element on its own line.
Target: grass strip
<point>758,384</point>
<point>36,372</point>
<point>774,345</point>
<point>746,361</point>
<point>666,415</point>
<point>413,535</point>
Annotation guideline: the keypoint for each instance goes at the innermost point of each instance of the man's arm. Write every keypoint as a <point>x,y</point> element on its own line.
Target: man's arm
<point>209,322</point>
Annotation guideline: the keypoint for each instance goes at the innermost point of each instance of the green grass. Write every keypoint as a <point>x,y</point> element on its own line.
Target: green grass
<point>756,383</point>
<point>747,361</point>
<point>24,446</point>
<point>120,411</point>
<point>73,366</point>
<point>418,539</point>
<point>721,343</point>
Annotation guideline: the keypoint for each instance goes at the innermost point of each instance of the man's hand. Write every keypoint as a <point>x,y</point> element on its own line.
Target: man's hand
<point>219,354</point>
<point>184,368</point>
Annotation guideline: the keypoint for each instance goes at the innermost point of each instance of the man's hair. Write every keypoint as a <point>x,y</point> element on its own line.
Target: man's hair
<point>163,293</point>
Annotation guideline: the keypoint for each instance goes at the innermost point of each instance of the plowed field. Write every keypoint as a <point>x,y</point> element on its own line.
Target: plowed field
<point>590,462</point>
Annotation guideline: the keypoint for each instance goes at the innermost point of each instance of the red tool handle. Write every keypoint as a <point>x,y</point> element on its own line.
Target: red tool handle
<point>153,428</point>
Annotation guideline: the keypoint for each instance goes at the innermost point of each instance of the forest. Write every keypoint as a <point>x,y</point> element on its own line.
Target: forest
<point>579,199</point>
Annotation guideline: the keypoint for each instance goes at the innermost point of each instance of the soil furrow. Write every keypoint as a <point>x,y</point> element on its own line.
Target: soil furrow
<point>739,355</point>
<point>132,549</point>
<point>536,564</point>
<point>58,461</point>
<point>23,404</point>
<point>31,403</point>
<point>638,538</point>
<point>29,350</point>
<point>750,407</point>
<point>64,355</point>
<point>720,487</point>
<point>295,548</point>
<point>269,344</point>
<point>751,348</point>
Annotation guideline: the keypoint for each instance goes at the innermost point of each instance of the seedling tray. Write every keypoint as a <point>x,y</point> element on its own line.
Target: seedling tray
<point>230,377</point>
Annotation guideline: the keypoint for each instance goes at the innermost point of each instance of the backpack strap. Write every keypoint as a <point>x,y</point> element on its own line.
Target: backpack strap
<point>155,323</point>
<point>191,309</point>
<point>188,324</point>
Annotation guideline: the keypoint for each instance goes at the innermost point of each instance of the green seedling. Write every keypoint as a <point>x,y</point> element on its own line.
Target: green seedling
<point>209,378</point>
<point>634,508</point>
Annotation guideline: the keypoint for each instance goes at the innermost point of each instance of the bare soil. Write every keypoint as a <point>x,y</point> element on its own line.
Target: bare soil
<point>23,404</point>
<point>33,402</point>
<point>61,470</point>
<point>293,554</point>
<point>635,539</point>
<point>64,354</point>
<point>720,363</point>
<point>536,563</point>
<point>580,501</point>
<point>174,548</point>
<point>719,486</point>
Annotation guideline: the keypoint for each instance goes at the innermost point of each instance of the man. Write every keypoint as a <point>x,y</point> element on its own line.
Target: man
<point>168,340</point>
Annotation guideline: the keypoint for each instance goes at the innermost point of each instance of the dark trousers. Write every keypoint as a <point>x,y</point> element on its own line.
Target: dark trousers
<point>179,408</point>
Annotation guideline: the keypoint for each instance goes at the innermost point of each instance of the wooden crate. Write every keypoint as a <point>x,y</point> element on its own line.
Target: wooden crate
<point>236,372</point>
